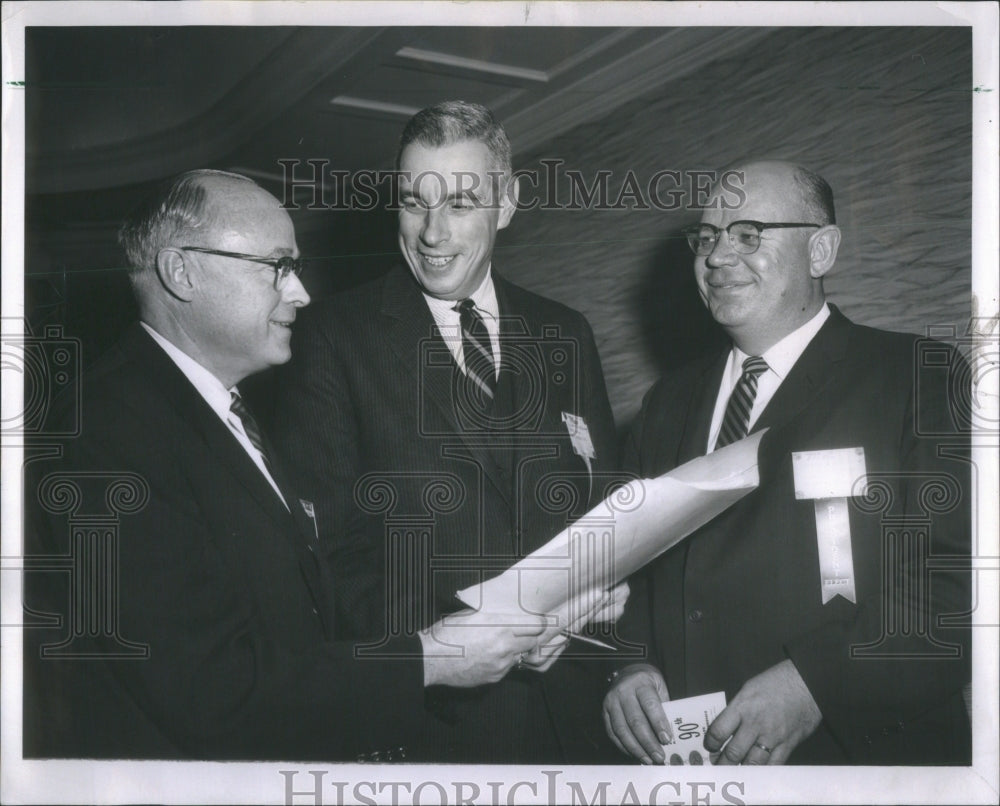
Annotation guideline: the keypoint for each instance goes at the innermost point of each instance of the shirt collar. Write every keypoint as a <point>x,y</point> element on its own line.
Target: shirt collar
<point>484,297</point>
<point>781,357</point>
<point>208,386</point>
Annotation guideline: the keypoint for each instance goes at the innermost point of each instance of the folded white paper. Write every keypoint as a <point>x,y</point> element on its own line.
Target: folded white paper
<point>632,526</point>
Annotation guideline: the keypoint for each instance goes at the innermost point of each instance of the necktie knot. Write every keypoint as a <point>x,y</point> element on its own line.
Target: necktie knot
<point>472,321</point>
<point>237,406</point>
<point>755,366</point>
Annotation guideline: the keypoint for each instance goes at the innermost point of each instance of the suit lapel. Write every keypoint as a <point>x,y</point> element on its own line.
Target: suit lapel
<point>166,376</point>
<point>303,522</point>
<point>162,373</point>
<point>408,326</point>
<point>413,338</point>
<point>521,321</point>
<point>513,324</point>
<point>701,406</point>
<point>811,377</point>
<point>227,449</point>
<point>314,572</point>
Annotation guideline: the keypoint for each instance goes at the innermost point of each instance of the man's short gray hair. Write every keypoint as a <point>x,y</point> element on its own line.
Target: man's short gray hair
<point>178,207</point>
<point>452,122</point>
<point>817,195</point>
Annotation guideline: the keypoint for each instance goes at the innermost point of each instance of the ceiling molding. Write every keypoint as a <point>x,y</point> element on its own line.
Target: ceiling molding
<point>495,69</point>
<point>593,51</point>
<point>371,105</point>
<point>655,57</point>
<point>308,57</point>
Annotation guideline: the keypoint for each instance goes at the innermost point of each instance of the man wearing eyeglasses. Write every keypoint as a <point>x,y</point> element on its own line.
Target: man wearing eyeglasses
<point>210,629</point>
<point>808,603</point>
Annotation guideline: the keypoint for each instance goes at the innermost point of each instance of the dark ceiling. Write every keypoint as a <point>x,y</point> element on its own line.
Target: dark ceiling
<point>111,107</point>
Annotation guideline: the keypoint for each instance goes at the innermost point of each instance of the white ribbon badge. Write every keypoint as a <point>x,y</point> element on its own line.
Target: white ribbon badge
<point>579,437</point>
<point>830,478</point>
<point>310,510</point>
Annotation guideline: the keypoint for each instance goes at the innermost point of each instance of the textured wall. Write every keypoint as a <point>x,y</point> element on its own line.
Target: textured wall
<point>883,114</point>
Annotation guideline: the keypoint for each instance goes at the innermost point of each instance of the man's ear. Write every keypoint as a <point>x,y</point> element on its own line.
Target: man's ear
<point>508,201</point>
<point>823,246</point>
<point>174,273</point>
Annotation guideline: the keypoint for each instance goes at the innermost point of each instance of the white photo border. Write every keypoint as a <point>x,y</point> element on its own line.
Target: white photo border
<point>37,781</point>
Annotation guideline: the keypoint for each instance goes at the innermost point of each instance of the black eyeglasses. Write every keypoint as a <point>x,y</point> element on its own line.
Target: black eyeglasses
<point>744,236</point>
<point>283,266</point>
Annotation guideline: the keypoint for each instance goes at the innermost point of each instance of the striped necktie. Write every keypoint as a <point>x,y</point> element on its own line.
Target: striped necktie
<point>737,417</point>
<point>250,427</point>
<point>480,368</point>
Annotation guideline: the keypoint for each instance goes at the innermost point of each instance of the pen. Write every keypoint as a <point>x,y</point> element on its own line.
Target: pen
<point>588,640</point>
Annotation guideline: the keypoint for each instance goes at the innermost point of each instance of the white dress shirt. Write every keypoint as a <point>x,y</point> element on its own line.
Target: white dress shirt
<point>217,397</point>
<point>448,319</point>
<point>780,358</point>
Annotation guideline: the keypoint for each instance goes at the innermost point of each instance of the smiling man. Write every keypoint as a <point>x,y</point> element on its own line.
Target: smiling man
<point>454,200</point>
<point>429,414</point>
<point>822,624</point>
<point>200,622</point>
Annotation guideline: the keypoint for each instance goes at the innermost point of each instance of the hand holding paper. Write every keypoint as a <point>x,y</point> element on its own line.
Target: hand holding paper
<point>612,609</point>
<point>472,648</point>
<point>774,710</point>
<point>690,719</point>
<point>573,616</point>
<point>633,714</point>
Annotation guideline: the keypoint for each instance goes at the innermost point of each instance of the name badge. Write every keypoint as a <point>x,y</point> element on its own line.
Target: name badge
<point>829,478</point>
<point>579,437</point>
<point>310,510</point>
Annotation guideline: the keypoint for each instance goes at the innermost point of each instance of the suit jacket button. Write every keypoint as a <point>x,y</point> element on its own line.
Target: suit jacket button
<point>310,547</point>
<point>695,615</point>
<point>315,612</point>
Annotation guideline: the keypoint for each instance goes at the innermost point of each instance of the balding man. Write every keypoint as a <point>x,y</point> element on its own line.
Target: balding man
<point>749,604</point>
<point>212,636</point>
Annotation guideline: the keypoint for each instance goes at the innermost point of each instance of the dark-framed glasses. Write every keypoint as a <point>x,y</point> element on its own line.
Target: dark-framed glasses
<point>744,236</point>
<point>283,266</point>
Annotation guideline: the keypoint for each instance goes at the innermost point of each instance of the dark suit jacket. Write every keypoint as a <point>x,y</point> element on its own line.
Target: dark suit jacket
<point>224,616</point>
<point>743,592</point>
<point>415,491</point>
